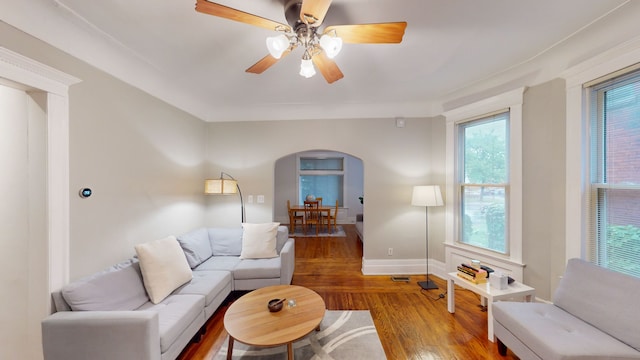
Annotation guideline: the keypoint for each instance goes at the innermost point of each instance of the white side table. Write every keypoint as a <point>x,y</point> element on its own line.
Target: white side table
<point>488,295</point>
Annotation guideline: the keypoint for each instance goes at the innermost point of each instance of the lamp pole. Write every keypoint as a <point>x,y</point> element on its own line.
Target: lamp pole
<point>427,196</point>
<point>428,284</point>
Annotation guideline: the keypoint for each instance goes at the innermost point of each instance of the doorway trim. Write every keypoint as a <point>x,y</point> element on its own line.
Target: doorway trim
<point>40,77</point>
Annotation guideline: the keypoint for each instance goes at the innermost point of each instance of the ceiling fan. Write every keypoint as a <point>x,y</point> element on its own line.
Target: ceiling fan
<point>305,18</point>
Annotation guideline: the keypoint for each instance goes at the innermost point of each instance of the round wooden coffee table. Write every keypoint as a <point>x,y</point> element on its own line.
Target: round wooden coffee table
<point>249,321</point>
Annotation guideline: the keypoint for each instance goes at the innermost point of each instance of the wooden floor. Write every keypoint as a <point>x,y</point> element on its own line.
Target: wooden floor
<point>411,323</point>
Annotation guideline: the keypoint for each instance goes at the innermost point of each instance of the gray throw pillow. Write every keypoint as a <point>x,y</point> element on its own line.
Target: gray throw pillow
<point>226,241</point>
<point>117,288</point>
<point>196,246</point>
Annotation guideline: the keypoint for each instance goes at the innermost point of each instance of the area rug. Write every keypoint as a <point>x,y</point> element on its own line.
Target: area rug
<point>311,232</point>
<point>343,335</point>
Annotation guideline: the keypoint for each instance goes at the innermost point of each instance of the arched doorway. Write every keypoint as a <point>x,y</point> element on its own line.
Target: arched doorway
<point>344,175</point>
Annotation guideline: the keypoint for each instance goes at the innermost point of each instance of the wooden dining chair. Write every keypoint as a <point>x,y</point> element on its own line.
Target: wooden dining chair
<point>321,218</point>
<point>333,216</point>
<point>311,215</point>
<point>295,217</point>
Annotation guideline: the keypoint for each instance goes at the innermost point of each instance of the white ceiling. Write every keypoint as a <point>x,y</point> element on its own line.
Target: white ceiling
<point>452,49</point>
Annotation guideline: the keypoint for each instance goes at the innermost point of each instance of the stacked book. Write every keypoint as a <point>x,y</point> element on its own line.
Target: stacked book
<point>476,276</point>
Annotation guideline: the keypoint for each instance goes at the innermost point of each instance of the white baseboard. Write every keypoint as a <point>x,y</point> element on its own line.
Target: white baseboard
<point>402,267</point>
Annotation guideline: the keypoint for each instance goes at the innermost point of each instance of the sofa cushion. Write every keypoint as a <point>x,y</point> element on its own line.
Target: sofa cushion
<point>196,246</point>
<point>258,269</point>
<point>175,314</point>
<point>164,267</point>
<point>555,334</point>
<point>119,287</point>
<point>603,298</point>
<point>222,263</point>
<point>206,283</point>
<point>225,241</point>
<point>259,241</point>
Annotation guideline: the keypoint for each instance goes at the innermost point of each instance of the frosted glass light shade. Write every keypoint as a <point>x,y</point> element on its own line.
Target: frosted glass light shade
<point>331,45</point>
<point>277,45</point>
<point>306,68</point>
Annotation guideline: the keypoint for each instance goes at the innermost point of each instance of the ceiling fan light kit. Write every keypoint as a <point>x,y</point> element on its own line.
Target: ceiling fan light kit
<point>331,45</point>
<point>306,68</point>
<point>277,45</point>
<point>305,18</point>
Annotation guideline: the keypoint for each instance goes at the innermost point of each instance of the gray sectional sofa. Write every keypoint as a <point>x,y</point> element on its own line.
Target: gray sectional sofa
<point>594,315</point>
<point>110,315</point>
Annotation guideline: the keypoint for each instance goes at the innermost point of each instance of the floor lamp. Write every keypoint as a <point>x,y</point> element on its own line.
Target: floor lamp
<point>427,195</point>
<point>224,186</point>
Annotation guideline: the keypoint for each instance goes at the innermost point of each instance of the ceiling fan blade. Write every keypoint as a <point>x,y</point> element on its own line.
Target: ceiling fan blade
<point>383,33</point>
<point>314,11</point>
<point>327,67</point>
<point>265,63</point>
<point>226,12</point>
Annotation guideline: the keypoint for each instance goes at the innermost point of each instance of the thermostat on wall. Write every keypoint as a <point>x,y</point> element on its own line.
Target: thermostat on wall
<point>85,192</point>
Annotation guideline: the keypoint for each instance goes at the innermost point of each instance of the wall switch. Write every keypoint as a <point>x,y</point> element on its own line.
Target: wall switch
<point>260,199</point>
<point>390,253</point>
<point>250,199</point>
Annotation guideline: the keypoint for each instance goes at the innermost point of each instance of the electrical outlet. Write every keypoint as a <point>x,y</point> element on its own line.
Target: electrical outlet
<point>260,199</point>
<point>390,253</point>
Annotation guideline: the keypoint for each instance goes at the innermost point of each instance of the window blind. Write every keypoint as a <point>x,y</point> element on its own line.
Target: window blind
<point>614,236</point>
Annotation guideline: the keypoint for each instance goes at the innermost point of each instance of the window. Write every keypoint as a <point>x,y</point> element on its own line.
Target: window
<point>321,176</point>
<point>484,181</point>
<point>614,112</point>
<point>483,177</point>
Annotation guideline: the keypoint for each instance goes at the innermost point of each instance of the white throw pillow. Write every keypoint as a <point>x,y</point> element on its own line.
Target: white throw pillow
<point>164,267</point>
<point>259,241</point>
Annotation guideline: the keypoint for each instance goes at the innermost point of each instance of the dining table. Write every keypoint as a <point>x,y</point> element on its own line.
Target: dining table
<point>321,210</point>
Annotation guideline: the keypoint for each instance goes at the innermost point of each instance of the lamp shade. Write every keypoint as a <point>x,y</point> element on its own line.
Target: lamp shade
<point>426,195</point>
<point>277,45</point>
<point>331,45</point>
<point>220,186</point>
<point>306,68</point>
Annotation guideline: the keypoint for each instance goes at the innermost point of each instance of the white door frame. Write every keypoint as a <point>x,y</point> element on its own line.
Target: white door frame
<point>32,74</point>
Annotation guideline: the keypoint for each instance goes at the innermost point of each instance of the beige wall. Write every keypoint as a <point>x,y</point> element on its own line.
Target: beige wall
<point>394,160</point>
<point>143,159</point>
<point>543,156</point>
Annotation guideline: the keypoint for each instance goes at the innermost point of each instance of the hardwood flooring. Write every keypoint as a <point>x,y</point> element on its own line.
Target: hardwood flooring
<point>411,323</point>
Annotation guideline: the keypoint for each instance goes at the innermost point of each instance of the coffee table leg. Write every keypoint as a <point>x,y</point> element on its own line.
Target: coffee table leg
<point>290,351</point>
<point>230,348</point>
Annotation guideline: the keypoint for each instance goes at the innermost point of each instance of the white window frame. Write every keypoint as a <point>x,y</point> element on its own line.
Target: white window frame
<point>461,183</point>
<point>512,101</point>
<point>577,198</point>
